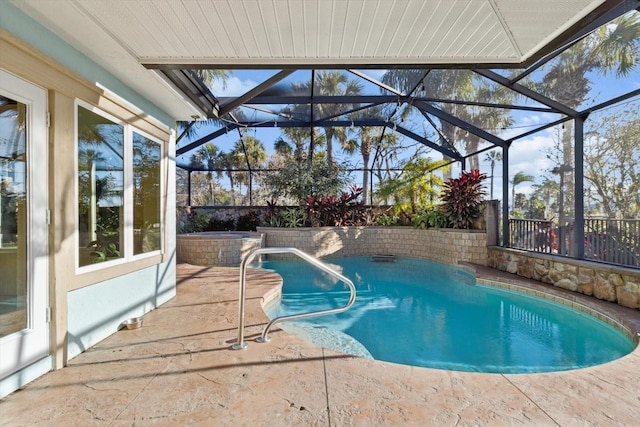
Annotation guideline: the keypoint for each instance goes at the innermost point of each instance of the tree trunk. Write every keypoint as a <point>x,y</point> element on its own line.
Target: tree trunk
<point>493,165</point>
<point>329,135</point>
<point>568,159</point>
<point>365,178</point>
<point>233,196</point>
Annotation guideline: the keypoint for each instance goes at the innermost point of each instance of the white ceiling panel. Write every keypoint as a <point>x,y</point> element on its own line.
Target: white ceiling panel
<point>124,35</point>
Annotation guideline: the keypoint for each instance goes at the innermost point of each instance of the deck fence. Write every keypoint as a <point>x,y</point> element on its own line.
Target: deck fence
<point>614,241</point>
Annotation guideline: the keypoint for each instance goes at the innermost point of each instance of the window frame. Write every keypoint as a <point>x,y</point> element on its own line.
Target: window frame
<point>128,231</point>
<point>161,197</point>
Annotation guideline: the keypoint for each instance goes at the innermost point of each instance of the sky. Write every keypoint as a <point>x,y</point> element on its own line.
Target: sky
<point>527,155</point>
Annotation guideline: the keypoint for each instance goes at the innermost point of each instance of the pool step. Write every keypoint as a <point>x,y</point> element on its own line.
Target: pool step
<point>383,258</point>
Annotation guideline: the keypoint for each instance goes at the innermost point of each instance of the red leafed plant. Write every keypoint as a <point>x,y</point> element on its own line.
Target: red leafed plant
<point>462,198</point>
<point>337,211</point>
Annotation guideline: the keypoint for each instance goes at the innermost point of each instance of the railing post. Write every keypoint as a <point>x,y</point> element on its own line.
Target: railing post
<point>240,344</point>
<point>506,240</point>
<point>578,152</point>
<point>242,286</point>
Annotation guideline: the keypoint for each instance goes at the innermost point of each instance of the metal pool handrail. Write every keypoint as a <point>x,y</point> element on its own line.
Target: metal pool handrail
<point>240,344</point>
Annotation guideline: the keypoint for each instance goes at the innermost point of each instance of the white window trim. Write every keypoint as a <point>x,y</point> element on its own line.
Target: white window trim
<point>162,194</point>
<point>128,201</point>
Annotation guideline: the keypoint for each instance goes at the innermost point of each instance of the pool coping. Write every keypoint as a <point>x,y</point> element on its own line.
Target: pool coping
<point>627,320</point>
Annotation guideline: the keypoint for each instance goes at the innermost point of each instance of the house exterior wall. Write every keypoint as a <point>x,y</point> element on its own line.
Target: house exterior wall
<point>86,307</point>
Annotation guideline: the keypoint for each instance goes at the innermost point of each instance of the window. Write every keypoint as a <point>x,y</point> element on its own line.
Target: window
<point>119,189</point>
<point>146,194</point>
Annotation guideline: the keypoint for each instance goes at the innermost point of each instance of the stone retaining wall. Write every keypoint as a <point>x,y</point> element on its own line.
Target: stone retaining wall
<point>610,283</point>
<point>447,246</point>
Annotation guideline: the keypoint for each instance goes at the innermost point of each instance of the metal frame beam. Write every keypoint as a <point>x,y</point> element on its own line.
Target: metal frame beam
<point>460,123</point>
<point>323,123</point>
<point>578,176</point>
<point>189,84</point>
<point>379,99</point>
<point>246,97</point>
<point>205,139</point>
<point>617,11</point>
<point>522,90</point>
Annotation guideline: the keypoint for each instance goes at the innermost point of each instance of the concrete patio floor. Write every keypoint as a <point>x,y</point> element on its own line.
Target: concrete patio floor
<point>179,370</point>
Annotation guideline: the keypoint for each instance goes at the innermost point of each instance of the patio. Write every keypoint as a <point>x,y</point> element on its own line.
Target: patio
<point>178,369</point>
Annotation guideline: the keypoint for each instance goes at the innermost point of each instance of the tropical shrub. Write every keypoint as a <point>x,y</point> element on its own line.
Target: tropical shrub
<point>217,224</point>
<point>196,221</point>
<point>387,220</point>
<point>272,216</point>
<point>431,217</point>
<point>292,218</point>
<point>106,247</point>
<point>416,188</point>
<point>462,198</point>
<point>295,180</point>
<point>248,222</point>
<point>338,211</point>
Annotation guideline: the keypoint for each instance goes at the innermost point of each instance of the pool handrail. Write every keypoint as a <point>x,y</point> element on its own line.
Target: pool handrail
<point>240,344</point>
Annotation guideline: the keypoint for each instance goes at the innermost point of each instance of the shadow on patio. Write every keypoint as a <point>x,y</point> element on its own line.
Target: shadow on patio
<point>178,369</point>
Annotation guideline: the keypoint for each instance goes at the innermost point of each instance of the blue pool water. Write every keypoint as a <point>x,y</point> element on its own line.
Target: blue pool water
<point>421,313</point>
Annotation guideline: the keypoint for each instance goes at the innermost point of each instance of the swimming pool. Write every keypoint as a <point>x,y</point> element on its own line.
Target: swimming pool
<point>421,313</point>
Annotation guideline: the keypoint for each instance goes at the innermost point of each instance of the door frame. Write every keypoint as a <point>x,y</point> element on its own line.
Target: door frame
<point>33,343</point>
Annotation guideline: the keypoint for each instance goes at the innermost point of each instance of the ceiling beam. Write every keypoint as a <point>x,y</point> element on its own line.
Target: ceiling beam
<point>322,99</point>
<point>444,150</point>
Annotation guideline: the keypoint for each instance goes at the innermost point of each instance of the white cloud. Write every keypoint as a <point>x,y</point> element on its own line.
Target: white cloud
<point>527,156</point>
<point>526,121</point>
<point>376,74</point>
<point>235,87</point>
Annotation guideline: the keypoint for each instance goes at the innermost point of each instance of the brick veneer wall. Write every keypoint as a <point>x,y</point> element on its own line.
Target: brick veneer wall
<point>447,246</point>
<point>227,249</point>
<point>607,282</point>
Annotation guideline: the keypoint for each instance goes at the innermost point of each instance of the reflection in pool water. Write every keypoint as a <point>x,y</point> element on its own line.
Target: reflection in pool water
<point>422,313</point>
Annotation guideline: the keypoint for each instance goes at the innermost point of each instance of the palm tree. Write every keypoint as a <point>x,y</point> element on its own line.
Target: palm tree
<point>461,85</point>
<point>544,191</point>
<point>487,118</point>
<point>332,83</point>
<point>227,163</point>
<point>518,179</point>
<point>250,151</point>
<point>283,148</point>
<point>416,187</point>
<point>614,47</point>
<point>366,138</point>
<point>299,137</point>
<point>385,159</point>
<point>208,157</point>
<point>209,77</point>
<point>493,157</point>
